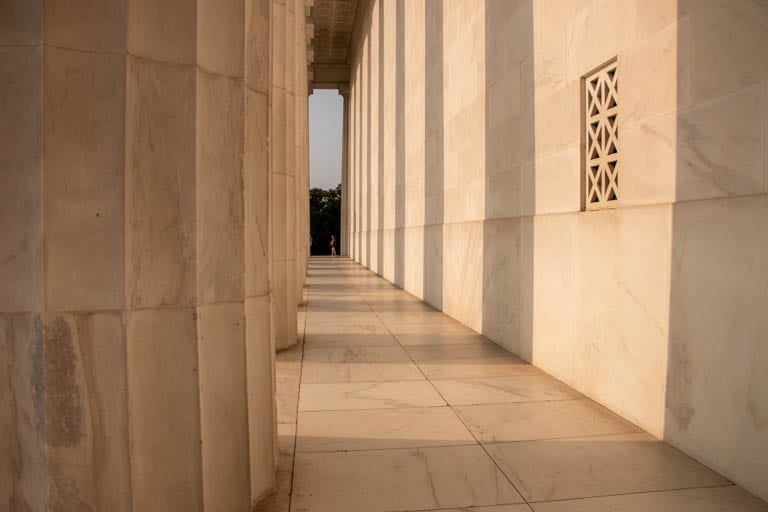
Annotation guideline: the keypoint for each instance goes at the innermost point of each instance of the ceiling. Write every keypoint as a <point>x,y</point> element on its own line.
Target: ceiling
<point>333,24</point>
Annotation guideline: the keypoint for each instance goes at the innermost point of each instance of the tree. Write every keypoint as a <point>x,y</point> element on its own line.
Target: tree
<point>324,218</point>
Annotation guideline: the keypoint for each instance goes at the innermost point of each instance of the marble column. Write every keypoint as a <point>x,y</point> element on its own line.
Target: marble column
<point>160,239</point>
<point>260,348</point>
<point>84,86</point>
<point>23,460</point>
<point>345,183</point>
<point>301,149</point>
<point>135,255</point>
<point>220,243</point>
<point>283,214</point>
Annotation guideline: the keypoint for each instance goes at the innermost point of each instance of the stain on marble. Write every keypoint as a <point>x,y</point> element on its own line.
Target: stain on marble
<point>65,421</point>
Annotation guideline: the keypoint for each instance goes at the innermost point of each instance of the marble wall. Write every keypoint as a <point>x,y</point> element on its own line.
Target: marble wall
<point>135,326</point>
<point>465,189</point>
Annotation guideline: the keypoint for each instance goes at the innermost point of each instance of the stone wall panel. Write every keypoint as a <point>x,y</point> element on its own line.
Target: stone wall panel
<point>160,191</point>
<point>90,25</point>
<point>83,179</point>
<point>223,406</point>
<point>21,178</point>
<point>163,400</point>
<point>219,188</point>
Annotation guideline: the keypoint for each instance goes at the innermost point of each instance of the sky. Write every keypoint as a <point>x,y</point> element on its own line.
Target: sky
<point>325,127</point>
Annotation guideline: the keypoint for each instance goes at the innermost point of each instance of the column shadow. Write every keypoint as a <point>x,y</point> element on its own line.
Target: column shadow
<point>510,195</point>
<point>434,159</point>
<point>400,144</point>
<point>368,172</point>
<point>382,192</point>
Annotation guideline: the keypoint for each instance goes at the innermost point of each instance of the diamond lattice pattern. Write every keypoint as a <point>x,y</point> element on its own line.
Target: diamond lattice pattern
<point>602,129</point>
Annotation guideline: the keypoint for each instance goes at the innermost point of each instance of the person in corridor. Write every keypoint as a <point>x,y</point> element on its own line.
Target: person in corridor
<point>333,245</point>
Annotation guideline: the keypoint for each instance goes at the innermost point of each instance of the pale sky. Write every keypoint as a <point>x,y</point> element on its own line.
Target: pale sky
<point>325,131</point>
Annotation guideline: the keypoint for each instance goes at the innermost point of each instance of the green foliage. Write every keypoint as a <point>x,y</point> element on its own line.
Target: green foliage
<point>324,218</point>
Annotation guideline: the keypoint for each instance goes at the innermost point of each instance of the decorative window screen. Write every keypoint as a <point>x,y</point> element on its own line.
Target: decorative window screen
<point>601,150</point>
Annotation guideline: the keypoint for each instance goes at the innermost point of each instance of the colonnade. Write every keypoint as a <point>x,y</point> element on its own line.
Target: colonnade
<point>153,218</point>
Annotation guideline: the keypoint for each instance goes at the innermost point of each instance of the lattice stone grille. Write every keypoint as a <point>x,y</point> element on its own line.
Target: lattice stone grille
<point>602,137</point>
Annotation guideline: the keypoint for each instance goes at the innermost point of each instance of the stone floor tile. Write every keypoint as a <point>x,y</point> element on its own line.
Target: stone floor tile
<point>530,388</point>
<point>350,340</point>
<point>528,421</point>
<point>396,445</point>
<point>440,339</point>
<point>496,508</point>
<point>434,353</point>
<point>381,428</point>
<point>368,395</point>
<point>287,394</point>
<point>316,372</point>
<point>598,466</point>
<point>397,305</point>
<point>341,306</point>
<point>384,354</point>
<point>481,367</point>
<point>397,480</point>
<point>346,328</point>
<point>429,317</point>
<point>716,499</point>
<point>423,328</point>
<point>324,317</point>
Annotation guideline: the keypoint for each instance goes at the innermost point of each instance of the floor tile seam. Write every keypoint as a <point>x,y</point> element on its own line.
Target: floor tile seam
<point>495,463</point>
<point>408,407</point>
<point>619,494</point>
<point>476,344</point>
<point>477,360</point>
<point>349,346</point>
<point>406,351</point>
<point>461,508</point>
<point>487,453</point>
<point>592,436</point>
<point>563,438</point>
<point>494,377</point>
<point>298,401</point>
<point>368,382</point>
<point>516,402</point>
<point>379,408</point>
<point>393,448</point>
<point>465,379</point>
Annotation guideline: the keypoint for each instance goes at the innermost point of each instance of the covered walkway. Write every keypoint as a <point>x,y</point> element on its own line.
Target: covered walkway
<point>390,405</point>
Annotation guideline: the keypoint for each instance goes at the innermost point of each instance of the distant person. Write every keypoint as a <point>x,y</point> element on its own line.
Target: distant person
<point>333,245</point>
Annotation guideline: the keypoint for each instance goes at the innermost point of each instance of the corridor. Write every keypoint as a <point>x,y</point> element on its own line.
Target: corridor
<point>390,405</point>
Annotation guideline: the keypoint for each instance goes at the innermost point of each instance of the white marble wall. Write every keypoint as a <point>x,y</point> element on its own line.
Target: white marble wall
<point>652,307</point>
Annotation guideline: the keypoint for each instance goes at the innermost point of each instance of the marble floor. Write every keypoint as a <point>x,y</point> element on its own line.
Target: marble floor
<point>389,405</point>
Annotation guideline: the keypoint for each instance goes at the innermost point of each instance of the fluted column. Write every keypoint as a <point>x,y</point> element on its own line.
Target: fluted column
<point>260,348</point>
<point>283,218</point>
<point>345,183</point>
<point>301,149</point>
<point>135,256</point>
<point>161,291</point>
